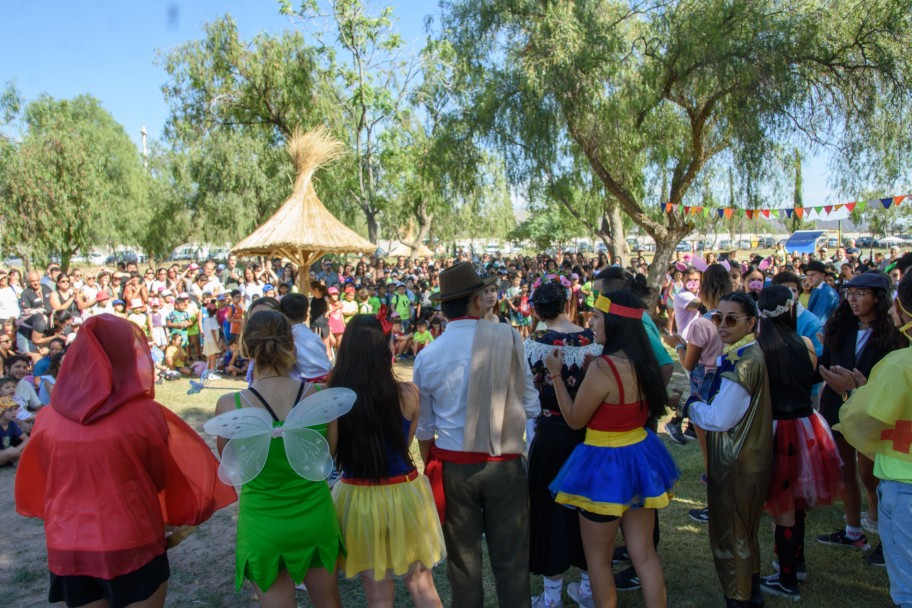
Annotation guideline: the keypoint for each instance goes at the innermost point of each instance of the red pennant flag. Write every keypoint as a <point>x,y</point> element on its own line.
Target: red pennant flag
<point>799,211</point>
<point>765,212</point>
<point>749,213</point>
<point>828,208</point>
<point>851,206</point>
<point>696,210</point>
<point>686,210</point>
<point>898,199</point>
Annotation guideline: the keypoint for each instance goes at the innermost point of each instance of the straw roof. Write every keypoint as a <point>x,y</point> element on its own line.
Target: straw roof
<point>302,230</point>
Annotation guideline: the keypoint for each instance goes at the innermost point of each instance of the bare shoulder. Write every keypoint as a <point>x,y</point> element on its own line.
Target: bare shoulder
<point>409,399</point>
<point>225,403</point>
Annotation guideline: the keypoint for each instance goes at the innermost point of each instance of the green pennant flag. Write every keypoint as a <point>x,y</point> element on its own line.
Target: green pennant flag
<point>706,211</point>
<point>775,213</point>
<point>861,206</point>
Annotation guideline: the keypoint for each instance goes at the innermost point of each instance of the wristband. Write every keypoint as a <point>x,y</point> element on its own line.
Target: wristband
<point>553,377</point>
<point>680,346</point>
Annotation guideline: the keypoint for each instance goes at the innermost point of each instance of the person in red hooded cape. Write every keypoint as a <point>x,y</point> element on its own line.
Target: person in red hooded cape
<point>108,467</point>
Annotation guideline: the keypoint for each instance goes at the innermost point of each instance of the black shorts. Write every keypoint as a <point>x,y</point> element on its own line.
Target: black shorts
<point>121,591</point>
<point>597,517</point>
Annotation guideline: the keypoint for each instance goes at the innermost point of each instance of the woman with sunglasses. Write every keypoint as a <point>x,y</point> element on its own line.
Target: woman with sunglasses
<point>621,472</point>
<point>738,422</point>
<point>66,298</point>
<point>856,337</point>
<point>807,471</point>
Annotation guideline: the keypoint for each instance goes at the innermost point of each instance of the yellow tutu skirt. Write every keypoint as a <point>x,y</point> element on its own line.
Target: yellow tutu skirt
<point>389,530</point>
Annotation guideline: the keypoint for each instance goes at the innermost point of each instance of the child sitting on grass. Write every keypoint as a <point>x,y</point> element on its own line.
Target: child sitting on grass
<point>235,364</point>
<point>12,439</point>
<point>421,338</point>
<point>401,339</point>
<point>176,355</point>
<point>24,418</point>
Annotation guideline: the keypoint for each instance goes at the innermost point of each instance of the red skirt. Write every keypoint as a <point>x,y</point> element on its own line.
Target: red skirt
<point>807,469</point>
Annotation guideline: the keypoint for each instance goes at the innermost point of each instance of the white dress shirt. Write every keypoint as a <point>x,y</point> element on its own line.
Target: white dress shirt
<point>441,372</point>
<point>310,353</point>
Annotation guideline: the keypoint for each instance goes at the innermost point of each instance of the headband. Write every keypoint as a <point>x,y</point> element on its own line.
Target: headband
<point>608,307</point>
<point>779,310</point>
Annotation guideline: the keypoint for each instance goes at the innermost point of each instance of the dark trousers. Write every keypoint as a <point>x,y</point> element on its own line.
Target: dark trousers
<point>490,499</point>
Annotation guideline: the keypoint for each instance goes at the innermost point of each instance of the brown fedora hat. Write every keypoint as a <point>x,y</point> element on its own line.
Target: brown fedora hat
<point>460,281</point>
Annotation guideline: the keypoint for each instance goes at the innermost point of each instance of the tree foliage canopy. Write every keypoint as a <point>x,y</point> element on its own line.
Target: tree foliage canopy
<point>73,181</point>
<point>651,92</point>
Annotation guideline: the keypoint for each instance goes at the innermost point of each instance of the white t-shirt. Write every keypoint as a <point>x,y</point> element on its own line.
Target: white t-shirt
<point>9,303</point>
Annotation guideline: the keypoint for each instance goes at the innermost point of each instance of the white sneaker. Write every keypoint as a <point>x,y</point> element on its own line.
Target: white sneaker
<point>867,524</point>
<point>584,601</point>
<point>541,601</point>
<point>301,588</point>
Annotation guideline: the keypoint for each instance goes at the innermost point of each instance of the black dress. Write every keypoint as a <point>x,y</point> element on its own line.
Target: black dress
<point>555,542</point>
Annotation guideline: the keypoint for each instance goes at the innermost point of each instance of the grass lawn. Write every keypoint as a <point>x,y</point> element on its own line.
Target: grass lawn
<point>203,565</point>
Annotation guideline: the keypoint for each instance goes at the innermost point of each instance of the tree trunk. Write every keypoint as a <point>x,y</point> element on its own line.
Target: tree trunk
<point>373,226</point>
<point>616,222</point>
<point>665,247</point>
<point>611,231</point>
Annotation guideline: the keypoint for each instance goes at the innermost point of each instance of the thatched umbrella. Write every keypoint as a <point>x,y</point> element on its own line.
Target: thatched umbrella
<point>302,230</point>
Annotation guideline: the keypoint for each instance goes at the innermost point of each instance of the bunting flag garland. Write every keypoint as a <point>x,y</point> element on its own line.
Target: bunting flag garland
<point>811,213</point>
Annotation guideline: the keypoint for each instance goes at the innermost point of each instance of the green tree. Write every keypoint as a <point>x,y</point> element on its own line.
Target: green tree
<point>370,76</point>
<point>232,106</point>
<point>798,196</point>
<point>641,89</point>
<point>75,179</point>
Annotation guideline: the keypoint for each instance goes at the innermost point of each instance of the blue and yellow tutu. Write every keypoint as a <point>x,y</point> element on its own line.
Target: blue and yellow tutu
<point>613,471</point>
<point>390,529</point>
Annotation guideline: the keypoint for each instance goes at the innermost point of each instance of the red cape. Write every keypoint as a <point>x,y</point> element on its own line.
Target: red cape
<point>107,466</point>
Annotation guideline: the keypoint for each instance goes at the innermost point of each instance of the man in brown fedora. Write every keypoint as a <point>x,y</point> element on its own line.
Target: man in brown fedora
<point>476,394</point>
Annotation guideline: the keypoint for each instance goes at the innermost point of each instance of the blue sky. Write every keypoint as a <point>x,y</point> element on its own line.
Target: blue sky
<point>108,49</point>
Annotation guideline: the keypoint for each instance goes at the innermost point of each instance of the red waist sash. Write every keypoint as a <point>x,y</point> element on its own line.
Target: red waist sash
<point>389,481</point>
<point>434,470</point>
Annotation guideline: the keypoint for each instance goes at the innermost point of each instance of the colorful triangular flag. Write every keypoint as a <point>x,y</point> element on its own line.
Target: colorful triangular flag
<point>886,202</point>
<point>898,199</point>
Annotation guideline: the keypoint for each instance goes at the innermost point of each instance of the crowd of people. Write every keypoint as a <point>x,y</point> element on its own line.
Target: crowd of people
<point>570,369</point>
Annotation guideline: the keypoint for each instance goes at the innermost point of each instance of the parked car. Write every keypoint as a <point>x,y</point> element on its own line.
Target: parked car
<point>864,241</point>
<point>683,246</point>
<point>584,247</point>
<point>12,260</point>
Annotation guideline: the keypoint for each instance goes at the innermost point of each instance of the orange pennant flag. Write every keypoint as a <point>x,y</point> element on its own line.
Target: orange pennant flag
<point>728,212</point>
<point>898,199</point>
<point>799,211</point>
